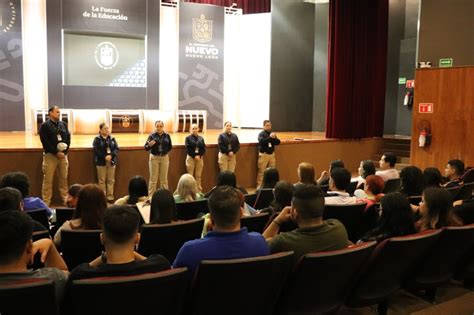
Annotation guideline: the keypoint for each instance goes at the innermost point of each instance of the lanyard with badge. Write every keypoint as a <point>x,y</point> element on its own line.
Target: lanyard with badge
<point>107,145</point>
<point>229,145</point>
<point>58,132</point>
<point>159,140</point>
<point>196,150</point>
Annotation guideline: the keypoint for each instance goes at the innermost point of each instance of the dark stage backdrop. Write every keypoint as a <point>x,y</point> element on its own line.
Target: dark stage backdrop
<point>12,106</point>
<point>201,60</point>
<point>119,70</point>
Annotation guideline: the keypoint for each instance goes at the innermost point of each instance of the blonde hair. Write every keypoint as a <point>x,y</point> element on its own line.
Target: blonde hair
<point>187,188</point>
<point>306,173</point>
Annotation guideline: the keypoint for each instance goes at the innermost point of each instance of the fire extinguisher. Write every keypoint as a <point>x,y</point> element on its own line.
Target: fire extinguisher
<point>424,140</point>
<point>408,99</point>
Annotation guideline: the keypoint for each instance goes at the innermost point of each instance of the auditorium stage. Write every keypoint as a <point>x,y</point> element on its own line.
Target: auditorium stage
<point>21,151</point>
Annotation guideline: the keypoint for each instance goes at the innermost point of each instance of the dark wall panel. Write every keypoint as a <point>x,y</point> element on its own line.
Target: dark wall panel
<point>54,25</point>
<point>292,58</point>
<point>447,31</point>
<point>321,26</point>
<point>90,97</point>
<point>153,50</point>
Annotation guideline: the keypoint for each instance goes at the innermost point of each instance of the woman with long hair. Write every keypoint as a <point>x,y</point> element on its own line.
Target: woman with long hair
<point>163,207</point>
<point>396,219</point>
<point>137,192</point>
<point>91,204</point>
<point>436,210</point>
<point>306,174</point>
<point>187,189</point>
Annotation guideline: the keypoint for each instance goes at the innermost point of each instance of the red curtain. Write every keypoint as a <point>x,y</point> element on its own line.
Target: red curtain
<point>248,6</point>
<point>358,31</point>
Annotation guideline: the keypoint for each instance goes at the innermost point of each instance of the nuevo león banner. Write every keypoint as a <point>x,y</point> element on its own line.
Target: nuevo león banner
<point>201,60</point>
<point>12,107</point>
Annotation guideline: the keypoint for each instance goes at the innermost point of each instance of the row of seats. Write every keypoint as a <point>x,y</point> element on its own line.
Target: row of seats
<point>361,275</point>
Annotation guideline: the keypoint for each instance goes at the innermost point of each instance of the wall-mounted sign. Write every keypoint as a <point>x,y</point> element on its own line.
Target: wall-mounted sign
<point>446,62</point>
<point>425,108</point>
<point>402,81</point>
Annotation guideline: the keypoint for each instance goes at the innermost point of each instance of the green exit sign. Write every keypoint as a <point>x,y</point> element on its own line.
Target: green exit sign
<point>402,80</point>
<point>446,62</point>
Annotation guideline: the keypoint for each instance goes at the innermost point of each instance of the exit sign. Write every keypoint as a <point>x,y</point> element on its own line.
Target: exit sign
<point>425,108</point>
<point>446,62</point>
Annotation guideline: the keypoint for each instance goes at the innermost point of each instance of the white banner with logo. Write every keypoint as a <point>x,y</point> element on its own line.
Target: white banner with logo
<point>201,60</point>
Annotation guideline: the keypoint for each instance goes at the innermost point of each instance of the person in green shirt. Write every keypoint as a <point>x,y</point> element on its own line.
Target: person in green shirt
<point>313,233</point>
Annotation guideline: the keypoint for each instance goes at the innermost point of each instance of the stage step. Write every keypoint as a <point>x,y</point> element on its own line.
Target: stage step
<point>398,145</point>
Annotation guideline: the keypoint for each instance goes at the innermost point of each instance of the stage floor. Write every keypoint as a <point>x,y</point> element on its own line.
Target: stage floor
<point>29,141</point>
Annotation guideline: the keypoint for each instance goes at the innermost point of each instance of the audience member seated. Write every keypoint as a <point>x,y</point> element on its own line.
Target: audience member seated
<point>387,164</point>
<point>11,199</point>
<point>187,189</point>
<point>88,213</point>
<point>340,179</point>
<point>72,194</point>
<point>366,168</point>
<point>271,177</point>
<point>227,240</point>
<point>436,210</point>
<point>313,234</point>
<point>323,180</point>
<point>396,219</point>
<point>137,192</point>
<point>372,192</point>
<point>432,177</point>
<point>411,181</point>
<point>163,207</point>
<point>17,251</point>
<point>283,194</point>
<point>20,181</point>
<point>306,174</point>
<point>226,178</point>
<point>120,236</point>
<point>454,170</point>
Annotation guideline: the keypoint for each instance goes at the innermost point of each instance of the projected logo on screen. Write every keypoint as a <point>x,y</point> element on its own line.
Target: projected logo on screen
<point>106,55</point>
<point>202,29</point>
<point>7,17</point>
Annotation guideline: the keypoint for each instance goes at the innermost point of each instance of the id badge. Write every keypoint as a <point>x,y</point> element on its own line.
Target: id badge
<point>108,150</point>
<point>59,137</point>
<point>160,148</point>
<point>196,150</point>
<point>270,144</point>
<point>229,147</point>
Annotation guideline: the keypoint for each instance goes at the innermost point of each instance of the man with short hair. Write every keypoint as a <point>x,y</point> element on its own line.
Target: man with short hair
<point>56,140</point>
<point>120,236</point>
<point>323,180</point>
<point>338,183</point>
<point>17,252</point>
<point>227,239</point>
<point>387,164</point>
<point>11,199</point>
<point>454,171</point>
<point>313,234</point>
<point>267,140</point>
<point>72,195</point>
<point>20,181</point>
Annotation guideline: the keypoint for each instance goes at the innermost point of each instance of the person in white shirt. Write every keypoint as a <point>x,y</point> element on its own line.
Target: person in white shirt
<point>387,164</point>
<point>338,182</point>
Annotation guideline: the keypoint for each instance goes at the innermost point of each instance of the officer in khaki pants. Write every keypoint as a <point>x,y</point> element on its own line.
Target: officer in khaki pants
<point>105,157</point>
<point>159,144</point>
<point>56,139</point>
<point>228,144</point>
<point>267,140</point>
<point>195,149</point>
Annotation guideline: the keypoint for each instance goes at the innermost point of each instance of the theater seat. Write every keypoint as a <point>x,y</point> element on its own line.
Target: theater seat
<point>191,210</point>
<point>167,239</point>
<point>439,265</point>
<point>322,280</point>
<point>39,215</point>
<point>264,198</point>
<point>152,293</point>
<point>255,223</point>
<point>352,216</point>
<point>250,199</point>
<point>80,246</point>
<point>385,271</point>
<point>392,185</point>
<point>28,296</point>
<point>249,286</point>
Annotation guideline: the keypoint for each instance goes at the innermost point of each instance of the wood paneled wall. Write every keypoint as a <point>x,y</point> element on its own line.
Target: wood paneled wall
<point>451,90</point>
<point>134,161</point>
